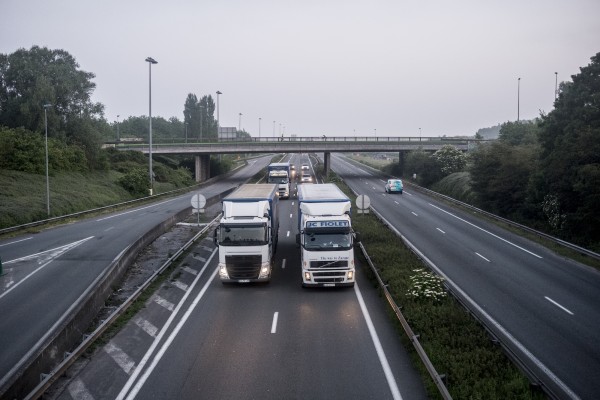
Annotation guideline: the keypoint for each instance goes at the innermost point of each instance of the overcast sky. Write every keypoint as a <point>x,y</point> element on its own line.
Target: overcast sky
<point>334,67</point>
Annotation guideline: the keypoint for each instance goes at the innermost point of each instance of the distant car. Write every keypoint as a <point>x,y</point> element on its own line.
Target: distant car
<point>394,186</point>
<point>305,166</point>
<point>306,178</point>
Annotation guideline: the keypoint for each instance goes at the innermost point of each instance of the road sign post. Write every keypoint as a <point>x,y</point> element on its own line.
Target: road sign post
<point>198,202</point>
<point>363,203</point>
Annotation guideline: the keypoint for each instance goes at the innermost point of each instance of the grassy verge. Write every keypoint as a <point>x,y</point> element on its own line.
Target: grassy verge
<point>457,345</point>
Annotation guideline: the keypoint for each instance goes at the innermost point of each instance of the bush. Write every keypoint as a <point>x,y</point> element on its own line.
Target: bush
<point>135,182</point>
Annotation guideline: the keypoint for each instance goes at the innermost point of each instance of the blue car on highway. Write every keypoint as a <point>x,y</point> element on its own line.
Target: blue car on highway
<point>394,186</point>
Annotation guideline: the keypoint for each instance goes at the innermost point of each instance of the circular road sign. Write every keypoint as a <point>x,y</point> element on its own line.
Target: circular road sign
<point>198,201</point>
<point>363,202</point>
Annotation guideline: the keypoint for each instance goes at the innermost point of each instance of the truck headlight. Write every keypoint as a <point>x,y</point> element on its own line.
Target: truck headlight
<point>350,275</point>
<point>223,272</point>
<point>265,271</point>
<point>307,276</point>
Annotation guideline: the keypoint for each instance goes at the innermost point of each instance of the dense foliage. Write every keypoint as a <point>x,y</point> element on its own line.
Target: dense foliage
<point>545,173</point>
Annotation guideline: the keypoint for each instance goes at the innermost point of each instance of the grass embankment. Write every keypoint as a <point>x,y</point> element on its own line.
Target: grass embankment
<point>457,345</point>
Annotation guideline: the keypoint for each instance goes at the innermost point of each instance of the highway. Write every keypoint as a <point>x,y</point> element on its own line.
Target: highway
<point>247,341</point>
<point>282,341</point>
<point>547,304</point>
<point>46,272</point>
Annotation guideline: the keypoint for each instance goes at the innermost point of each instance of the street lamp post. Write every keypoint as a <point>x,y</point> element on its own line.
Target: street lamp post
<point>555,85</point>
<point>419,134</point>
<point>518,99</point>
<point>240,124</point>
<point>273,128</point>
<point>186,124</point>
<point>118,137</point>
<point>259,127</point>
<point>47,179</point>
<point>218,93</point>
<point>150,61</point>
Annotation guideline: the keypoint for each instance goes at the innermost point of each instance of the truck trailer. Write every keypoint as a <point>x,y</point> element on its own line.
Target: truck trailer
<point>280,174</point>
<point>247,234</point>
<point>325,236</point>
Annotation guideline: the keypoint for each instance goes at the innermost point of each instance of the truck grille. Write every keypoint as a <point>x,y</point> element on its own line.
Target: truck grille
<point>243,266</point>
<point>329,264</point>
<point>329,277</point>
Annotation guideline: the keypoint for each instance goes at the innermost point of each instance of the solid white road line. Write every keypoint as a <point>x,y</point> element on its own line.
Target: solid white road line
<point>162,333</point>
<point>46,257</point>
<point>488,232</point>
<point>558,305</point>
<point>16,241</point>
<point>389,376</point>
<point>487,316</point>
<point>137,209</point>
<point>274,324</point>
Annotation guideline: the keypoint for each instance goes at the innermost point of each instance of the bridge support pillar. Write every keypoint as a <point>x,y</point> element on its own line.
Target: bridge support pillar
<point>326,163</point>
<point>202,172</point>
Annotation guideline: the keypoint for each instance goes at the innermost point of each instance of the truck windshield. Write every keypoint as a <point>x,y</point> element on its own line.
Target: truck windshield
<point>327,241</point>
<point>277,179</point>
<point>242,235</point>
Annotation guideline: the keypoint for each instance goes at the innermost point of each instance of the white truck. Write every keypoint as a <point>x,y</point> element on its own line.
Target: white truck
<point>325,236</point>
<point>280,174</point>
<point>247,234</point>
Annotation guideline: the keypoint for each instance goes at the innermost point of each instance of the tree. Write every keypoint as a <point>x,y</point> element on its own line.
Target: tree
<point>192,115</point>
<point>521,132</point>
<point>425,166</point>
<point>570,154</point>
<point>500,173</point>
<point>31,78</point>
<point>450,159</point>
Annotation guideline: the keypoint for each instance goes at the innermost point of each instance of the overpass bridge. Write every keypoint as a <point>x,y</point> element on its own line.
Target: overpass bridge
<point>202,150</point>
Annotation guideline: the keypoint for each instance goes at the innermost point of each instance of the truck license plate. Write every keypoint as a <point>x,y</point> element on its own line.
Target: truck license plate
<point>244,281</point>
<point>329,284</point>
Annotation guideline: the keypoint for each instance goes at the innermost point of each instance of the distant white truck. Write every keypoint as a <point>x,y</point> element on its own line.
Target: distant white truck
<point>247,234</point>
<point>280,174</point>
<point>325,236</point>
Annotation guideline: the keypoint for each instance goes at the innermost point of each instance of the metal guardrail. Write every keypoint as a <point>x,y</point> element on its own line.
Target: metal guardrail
<point>49,379</point>
<point>437,378</point>
<point>554,239</point>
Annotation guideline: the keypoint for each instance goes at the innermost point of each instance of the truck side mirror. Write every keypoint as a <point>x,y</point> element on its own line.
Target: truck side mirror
<point>215,237</point>
<point>357,237</point>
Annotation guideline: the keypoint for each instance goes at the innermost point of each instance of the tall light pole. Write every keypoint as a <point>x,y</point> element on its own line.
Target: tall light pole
<point>273,128</point>
<point>375,132</point>
<point>150,61</point>
<point>555,85</point>
<point>419,133</point>
<point>259,127</point>
<point>186,124</point>
<point>46,106</point>
<point>518,99</point>
<point>218,93</point>
<point>118,137</point>
<point>240,123</point>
